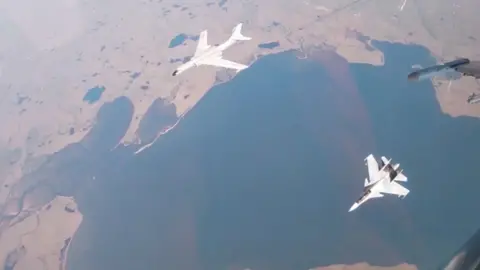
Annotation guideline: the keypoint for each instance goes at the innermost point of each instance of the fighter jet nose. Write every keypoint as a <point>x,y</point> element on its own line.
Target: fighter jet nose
<point>354,206</point>
<point>175,73</point>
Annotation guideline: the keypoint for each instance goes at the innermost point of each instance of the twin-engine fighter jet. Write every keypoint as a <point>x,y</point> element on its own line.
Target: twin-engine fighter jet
<point>382,179</point>
<point>212,55</point>
<point>473,98</point>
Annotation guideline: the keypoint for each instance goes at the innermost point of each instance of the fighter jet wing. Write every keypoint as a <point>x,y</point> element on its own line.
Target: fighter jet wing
<point>394,188</point>
<point>202,45</point>
<point>372,167</point>
<point>220,62</point>
<point>400,177</point>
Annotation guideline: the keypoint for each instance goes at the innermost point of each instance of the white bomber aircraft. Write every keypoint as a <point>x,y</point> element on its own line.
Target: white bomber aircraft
<point>383,179</point>
<point>212,55</point>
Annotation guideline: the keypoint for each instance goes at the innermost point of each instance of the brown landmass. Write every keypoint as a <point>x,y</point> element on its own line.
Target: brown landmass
<point>40,239</point>
<point>52,52</point>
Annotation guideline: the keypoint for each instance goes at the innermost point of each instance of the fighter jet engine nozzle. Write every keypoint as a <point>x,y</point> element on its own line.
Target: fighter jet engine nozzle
<point>175,73</point>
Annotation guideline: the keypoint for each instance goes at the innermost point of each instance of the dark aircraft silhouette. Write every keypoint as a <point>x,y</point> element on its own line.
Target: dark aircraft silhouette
<point>467,257</point>
<point>463,66</point>
<point>473,98</point>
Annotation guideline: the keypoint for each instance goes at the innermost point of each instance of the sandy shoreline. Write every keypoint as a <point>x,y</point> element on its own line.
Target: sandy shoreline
<point>65,259</point>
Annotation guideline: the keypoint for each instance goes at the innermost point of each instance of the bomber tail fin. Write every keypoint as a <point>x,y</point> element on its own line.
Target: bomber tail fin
<point>237,33</point>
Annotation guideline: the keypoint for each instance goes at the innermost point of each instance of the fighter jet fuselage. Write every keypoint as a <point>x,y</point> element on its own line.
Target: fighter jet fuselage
<point>370,192</point>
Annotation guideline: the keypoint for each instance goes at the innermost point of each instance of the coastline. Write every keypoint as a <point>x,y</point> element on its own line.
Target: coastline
<point>51,115</point>
<point>43,234</point>
<point>180,118</point>
<point>160,134</point>
<point>64,263</point>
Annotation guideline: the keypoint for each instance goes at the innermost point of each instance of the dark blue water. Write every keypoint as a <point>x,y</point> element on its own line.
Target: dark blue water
<point>262,172</point>
<point>159,115</point>
<point>94,94</point>
<point>177,40</point>
<point>269,45</point>
<point>180,39</point>
<point>436,151</point>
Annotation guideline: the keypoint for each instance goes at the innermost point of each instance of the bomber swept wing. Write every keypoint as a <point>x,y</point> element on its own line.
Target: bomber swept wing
<point>219,62</point>
<point>202,45</point>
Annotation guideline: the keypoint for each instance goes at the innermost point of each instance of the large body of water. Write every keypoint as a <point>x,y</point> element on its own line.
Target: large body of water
<point>262,172</point>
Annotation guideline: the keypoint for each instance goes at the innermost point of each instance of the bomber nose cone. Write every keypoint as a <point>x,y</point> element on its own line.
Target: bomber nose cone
<point>354,206</point>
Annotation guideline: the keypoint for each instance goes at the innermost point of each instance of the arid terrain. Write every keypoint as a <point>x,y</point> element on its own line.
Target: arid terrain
<point>53,52</point>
